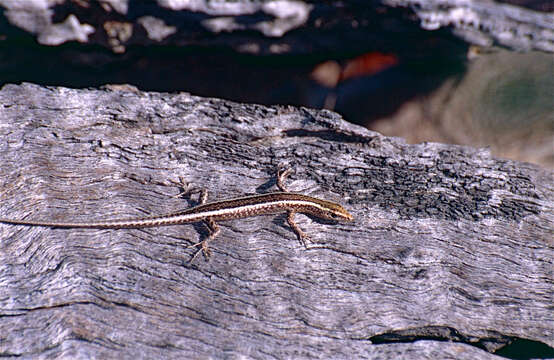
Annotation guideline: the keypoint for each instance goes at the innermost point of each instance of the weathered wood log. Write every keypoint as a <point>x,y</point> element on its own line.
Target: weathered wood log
<point>450,255</point>
<point>259,27</point>
<point>488,22</point>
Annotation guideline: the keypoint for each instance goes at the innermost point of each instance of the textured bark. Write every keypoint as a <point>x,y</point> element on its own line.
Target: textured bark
<point>488,22</point>
<point>450,255</point>
<point>258,27</point>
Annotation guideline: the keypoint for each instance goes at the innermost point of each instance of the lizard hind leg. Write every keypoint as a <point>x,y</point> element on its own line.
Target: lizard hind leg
<point>204,248</point>
<point>213,228</point>
<point>281,176</point>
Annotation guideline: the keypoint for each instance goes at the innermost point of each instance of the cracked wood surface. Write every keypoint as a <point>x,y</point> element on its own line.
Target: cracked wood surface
<point>450,255</point>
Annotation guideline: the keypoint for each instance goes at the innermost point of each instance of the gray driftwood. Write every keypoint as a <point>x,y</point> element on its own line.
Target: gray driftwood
<point>450,255</point>
<point>254,26</point>
<point>487,22</point>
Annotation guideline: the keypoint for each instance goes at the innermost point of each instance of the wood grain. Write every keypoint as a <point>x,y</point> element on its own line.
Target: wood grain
<point>450,255</point>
